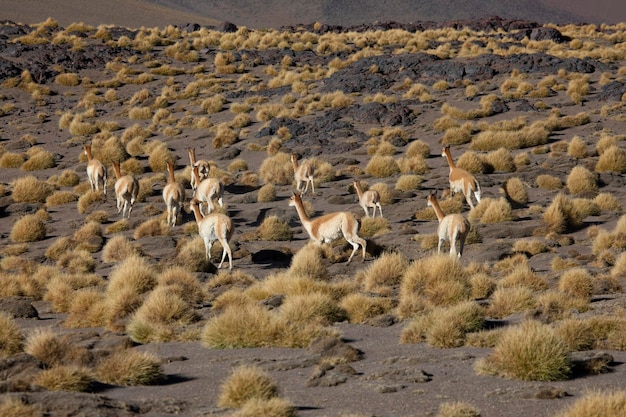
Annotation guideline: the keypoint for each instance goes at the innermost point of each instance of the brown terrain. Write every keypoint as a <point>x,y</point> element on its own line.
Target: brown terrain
<point>389,378</point>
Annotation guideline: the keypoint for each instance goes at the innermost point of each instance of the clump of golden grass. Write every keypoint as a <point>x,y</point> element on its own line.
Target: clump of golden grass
<point>244,383</point>
<point>577,282</point>
<point>274,407</point>
<point>130,367</point>
<point>482,285</point>
<point>595,332</point>
<point>490,211</point>
<point>30,190</point>
<point>471,162</point>
<point>418,148</point>
<point>555,305</point>
<point>596,403</point>
<point>361,307</point>
<point>409,182</point>
<point>308,262</point>
<point>191,254</point>
<point>251,325</point>
<point>457,409</point>
<point>501,160</point>
<point>12,160</point>
<point>561,215</point>
<point>119,226</point>
<point>277,169</point>
<point>151,227</point>
<point>374,226</point>
<point>457,135</point>
<point>612,159</point>
<point>60,198</point>
<point>77,261</point>
<point>53,349</point>
<point>15,407</point>
<point>160,314</point>
<point>382,166</point>
<point>548,182</point>
<point>445,327</point>
<point>386,196</point>
<point>515,190</point>
<point>117,249</point>
<point>530,351</point>
<point>60,288</point>
<point>224,136</point>
<point>266,193</point>
<point>89,237</point>
<point>438,279</point>
<point>134,273</point>
<point>88,308</point>
<point>312,308</point>
<point>29,228</point>
<point>384,272</point>
<point>65,378</point>
<point>580,179</point>
<point>60,246</point>
<point>11,337</point>
<point>158,157</point>
<point>523,276</point>
<point>577,148</point>
<point>508,300</point>
<point>87,201</point>
<point>531,247</point>
<point>38,160</point>
<point>185,283</point>
<point>607,201</point>
<point>274,228</point>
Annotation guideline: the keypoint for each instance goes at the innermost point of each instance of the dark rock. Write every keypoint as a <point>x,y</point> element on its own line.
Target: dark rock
<point>19,307</point>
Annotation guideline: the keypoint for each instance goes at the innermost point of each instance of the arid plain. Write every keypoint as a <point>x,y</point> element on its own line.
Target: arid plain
<point>534,112</point>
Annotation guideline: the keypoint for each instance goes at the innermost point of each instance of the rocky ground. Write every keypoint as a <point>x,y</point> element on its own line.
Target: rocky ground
<point>390,379</point>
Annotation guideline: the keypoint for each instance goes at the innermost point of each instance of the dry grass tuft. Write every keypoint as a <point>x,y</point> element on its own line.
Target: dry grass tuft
<point>30,190</point>
<point>580,179</point>
<point>274,407</point>
<point>29,228</point>
<point>15,407</point>
<point>39,160</point>
<point>374,226</point>
<point>362,307</point>
<point>409,182</point>
<point>548,182</point>
<point>561,216</point>
<point>530,351</point>
<point>130,367</point>
<point>118,248</point>
<point>490,211</point>
<point>382,166</point>
<point>274,228</point>
<point>457,409</point>
<point>308,262</point>
<point>266,193</point>
<point>88,201</point>
<point>384,272</point>
<point>277,169</point>
<point>597,403</point>
<point>508,300</point>
<point>134,273</point>
<point>245,383</point>
<point>65,378</point>
<point>53,349</point>
<point>515,190</point>
<point>577,282</point>
<point>612,160</point>
<point>11,337</point>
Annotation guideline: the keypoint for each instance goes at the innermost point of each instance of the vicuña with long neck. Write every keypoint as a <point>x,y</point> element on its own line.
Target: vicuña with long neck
<point>203,167</point>
<point>173,195</point>
<point>303,173</point>
<point>212,227</point>
<point>208,189</point>
<point>330,227</point>
<point>452,228</point>
<point>96,172</point>
<point>367,199</point>
<point>126,191</point>
<point>461,180</point>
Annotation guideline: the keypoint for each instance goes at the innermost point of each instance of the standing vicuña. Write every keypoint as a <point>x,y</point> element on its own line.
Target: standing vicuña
<point>452,227</point>
<point>126,191</point>
<point>173,195</point>
<point>203,168</point>
<point>207,190</point>
<point>303,172</point>
<point>96,172</point>
<point>367,199</point>
<point>461,180</point>
<point>330,227</point>
<point>212,227</point>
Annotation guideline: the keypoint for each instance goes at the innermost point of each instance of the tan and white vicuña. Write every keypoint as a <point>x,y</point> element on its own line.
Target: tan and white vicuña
<point>330,227</point>
<point>96,172</point>
<point>208,189</point>
<point>126,191</point>
<point>212,227</point>
<point>367,199</point>
<point>173,195</point>
<point>452,228</point>
<point>461,180</point>
<point>203,167</point>
<point>303,173</point>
